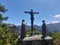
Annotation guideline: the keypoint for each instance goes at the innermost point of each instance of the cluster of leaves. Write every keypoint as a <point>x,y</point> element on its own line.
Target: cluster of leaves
<point>56,38</point>
<point>35,32</point>
<point>6,37</point>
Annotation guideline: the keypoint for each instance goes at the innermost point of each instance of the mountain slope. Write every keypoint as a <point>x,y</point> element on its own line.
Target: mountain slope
<point>49,27</point>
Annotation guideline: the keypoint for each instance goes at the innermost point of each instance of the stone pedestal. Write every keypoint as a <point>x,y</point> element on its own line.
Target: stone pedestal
<point>37,40</point>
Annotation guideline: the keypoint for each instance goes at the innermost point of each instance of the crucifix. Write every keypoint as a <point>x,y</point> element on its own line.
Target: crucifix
<point>32,18</point>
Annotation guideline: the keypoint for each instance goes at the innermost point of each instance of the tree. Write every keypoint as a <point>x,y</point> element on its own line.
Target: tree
<point>2,18</point>
<point>6,36</point>
<point>2,9</point>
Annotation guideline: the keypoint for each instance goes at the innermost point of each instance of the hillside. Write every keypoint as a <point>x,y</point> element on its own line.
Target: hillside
<point>50,27</point>
<point>53,27</point>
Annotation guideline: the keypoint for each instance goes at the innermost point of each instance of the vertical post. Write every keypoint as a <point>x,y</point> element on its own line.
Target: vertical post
<point>32,22</point>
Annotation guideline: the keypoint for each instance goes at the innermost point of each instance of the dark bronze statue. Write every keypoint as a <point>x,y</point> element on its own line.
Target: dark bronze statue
<point>23,29</point>
<point>43,29</point>
<point>23,33</point>
<point>32,19</point>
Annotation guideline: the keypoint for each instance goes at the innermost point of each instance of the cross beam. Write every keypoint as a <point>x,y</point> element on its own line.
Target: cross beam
<point>32,19</point>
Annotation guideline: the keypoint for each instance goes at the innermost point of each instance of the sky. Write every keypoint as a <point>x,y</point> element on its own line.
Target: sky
<point>49,10</point>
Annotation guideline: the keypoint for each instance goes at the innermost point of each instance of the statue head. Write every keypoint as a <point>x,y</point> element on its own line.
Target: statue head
<point>43,21</point>
<point>23,20</point>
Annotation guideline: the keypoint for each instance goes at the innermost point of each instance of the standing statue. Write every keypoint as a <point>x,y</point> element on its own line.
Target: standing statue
<point>23,33</point>
<point>43,29</point>
<point>23,29</point>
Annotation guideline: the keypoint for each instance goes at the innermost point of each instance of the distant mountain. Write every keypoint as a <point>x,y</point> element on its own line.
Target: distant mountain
<point>49,27</point>
<point>53,27</point>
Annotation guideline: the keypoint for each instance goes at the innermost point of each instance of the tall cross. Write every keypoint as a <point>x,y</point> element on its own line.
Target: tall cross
<point>32,18</point>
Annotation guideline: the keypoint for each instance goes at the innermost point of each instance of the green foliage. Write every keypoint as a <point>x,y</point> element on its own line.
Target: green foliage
<point>55,35</point>
<point>6,37</point>
<point>2,8</point>
<point>56,38</point>
<point>35,32</point>
<point>2,18</point>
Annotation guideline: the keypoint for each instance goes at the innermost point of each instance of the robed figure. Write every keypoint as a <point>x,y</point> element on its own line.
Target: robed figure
<point>23,29</point>
<point>23,33</point>
<point>43,29</point>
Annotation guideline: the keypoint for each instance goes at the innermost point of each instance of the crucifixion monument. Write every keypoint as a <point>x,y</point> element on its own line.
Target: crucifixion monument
<point>32,18</point>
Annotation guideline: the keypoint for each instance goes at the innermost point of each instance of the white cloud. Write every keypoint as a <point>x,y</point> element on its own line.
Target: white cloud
<point>55,22</point>
<point>57,16</point>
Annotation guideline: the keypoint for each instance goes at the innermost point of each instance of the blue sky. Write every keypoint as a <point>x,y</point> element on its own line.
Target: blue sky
<point>49,10</point>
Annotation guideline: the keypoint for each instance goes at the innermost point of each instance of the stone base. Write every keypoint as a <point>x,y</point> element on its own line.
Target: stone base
<point>36,40</point>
